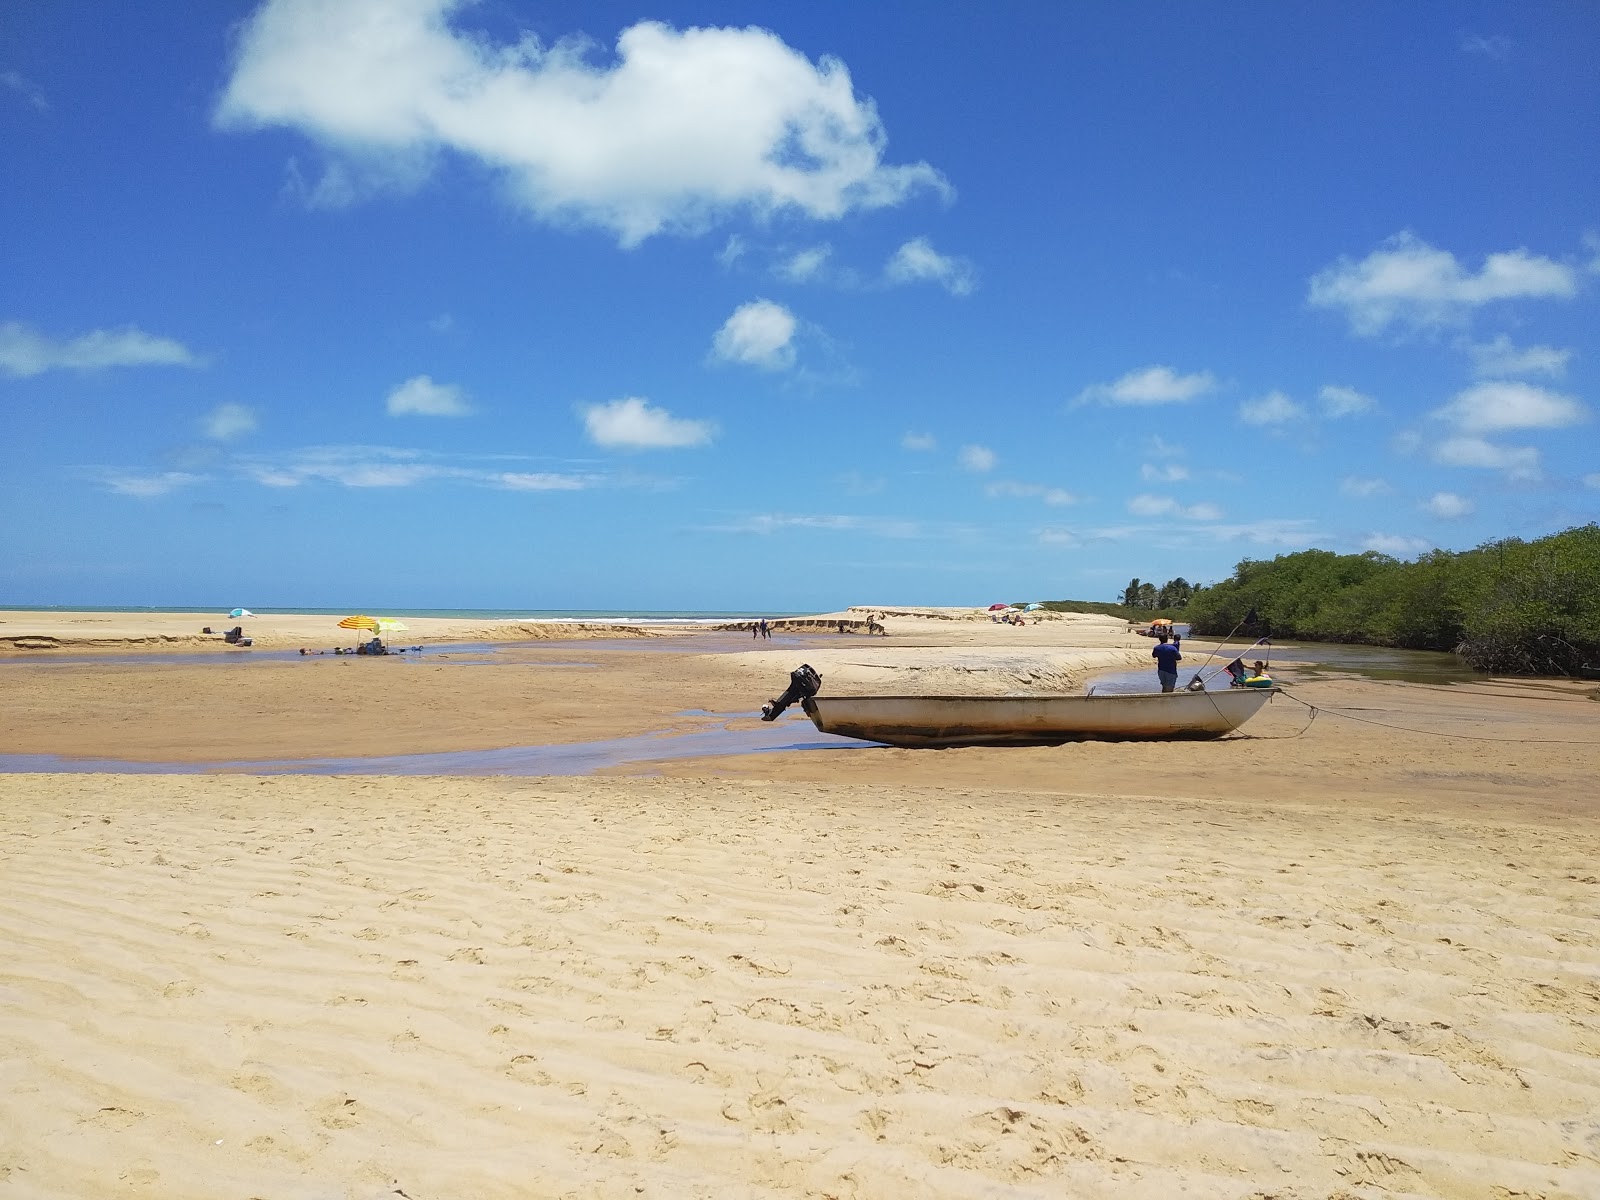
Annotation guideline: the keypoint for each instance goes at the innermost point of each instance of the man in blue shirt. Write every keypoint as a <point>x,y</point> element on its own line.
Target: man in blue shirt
<point>1167,658</point>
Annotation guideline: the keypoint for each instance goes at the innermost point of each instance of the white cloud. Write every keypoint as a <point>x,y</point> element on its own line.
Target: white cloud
<point>1362,489</point>
<point>1272,409</point>
<point>1500,358</point>
<point>1168,473</point>
<point>732,250</point>
<point>1059,537</point>
<point>1396,545</point>
<point>805,265</point>
<point>977,458</point>
<point>1520,462</point>
<point>1410,283</point>
<point>1150,385</point>
<point>1165,506</point>
<point>759,334</point>
<point>1591,243</point>
<point>1501,404</point>
<point>679,129</point>
<point>1161,448</point>
<point>26,352</point>
<point>421,396</point>
<point>145,487</point>
<point>1448,506</point>
<point>1052,496</point>
<point>347,466</point>
<point>918,262</point>
<point>633,424</point>
<point>229,421</point>
<point>918,441</point>
<point>1344,402</point>
<point>1592,480</point>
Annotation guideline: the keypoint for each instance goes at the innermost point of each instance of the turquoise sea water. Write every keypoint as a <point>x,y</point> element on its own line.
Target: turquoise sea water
<point>469,614</point>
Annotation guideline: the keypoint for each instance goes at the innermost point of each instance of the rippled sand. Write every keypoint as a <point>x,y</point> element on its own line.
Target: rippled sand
<point>696,987</point>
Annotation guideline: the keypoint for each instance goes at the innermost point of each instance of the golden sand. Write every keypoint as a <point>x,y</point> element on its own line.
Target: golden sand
<point>1353,963</point>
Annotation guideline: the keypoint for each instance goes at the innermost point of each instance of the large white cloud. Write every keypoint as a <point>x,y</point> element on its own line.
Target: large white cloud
<point>24,351</point>
<point>918,262</point>
<point>1151,385</point>
<point>758,334</point>
<point>1409,283</point>
<point>1504,404</point>
<point>680,128</point>
<point>635,424</point>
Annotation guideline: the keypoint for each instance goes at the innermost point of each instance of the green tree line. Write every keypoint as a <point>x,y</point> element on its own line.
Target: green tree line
<point>1508,606</point>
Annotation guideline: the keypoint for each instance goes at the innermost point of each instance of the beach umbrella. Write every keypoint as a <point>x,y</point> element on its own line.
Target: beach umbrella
<point>998,607</point>
<point>359,623</point>
<point>390,625</point>
<point>241,612</point>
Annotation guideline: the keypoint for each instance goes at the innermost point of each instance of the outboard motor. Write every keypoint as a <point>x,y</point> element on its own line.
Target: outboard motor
<point>803,684</point>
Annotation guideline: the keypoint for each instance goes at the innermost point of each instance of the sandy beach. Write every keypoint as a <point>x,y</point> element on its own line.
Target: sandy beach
<point>1349,958</point>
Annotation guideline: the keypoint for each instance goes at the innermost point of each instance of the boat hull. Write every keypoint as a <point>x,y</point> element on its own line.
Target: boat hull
<point>1035,720</point>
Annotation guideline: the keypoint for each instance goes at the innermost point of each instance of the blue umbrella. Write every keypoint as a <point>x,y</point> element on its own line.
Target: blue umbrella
<point>241,612</point>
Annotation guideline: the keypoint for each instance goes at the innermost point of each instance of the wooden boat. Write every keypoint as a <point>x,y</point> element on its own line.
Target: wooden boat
<point>1035,720</point>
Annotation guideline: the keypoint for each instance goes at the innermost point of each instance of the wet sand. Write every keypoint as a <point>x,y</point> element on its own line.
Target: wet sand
<point>1336,960</point>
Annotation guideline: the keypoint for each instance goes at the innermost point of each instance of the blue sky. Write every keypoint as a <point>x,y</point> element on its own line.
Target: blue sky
<point>407,303</point>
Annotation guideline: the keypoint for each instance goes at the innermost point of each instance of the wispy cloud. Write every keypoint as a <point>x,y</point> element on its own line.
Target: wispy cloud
<point>1492,45</point>
<point>977,458</point>
<point>771,523</point>
<point>1411,285</point>
<point>26,352</point>
<point>918,262</point>
<point>1501,358</point>
<point>1150,385</point>
<point>758,334</point>
<point>1448,506</point>
<point>1165,473</point>
<point>676,131</point>
<point>1362,488</point>
<point>1165,506</point>
<point>397,467</point>
<point>1275,408</point>
<point>634,423</point>
<point>420,396</point>
<point>147,487</point>
<point>1053,496</point>
<point>1499,405</point>
<point>920,442</point>
<point>1338,401</point>
<point>227,422</point>
<point>20,86</point>
<point>805,266</point>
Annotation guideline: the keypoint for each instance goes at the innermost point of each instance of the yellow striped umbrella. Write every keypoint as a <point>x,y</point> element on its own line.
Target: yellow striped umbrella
<point>359,623</point>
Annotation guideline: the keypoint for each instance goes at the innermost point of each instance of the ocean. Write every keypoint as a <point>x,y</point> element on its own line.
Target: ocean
<point>610,616</point>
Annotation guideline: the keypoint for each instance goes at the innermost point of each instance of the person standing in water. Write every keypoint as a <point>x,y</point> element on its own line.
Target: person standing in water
<point>1167,658</point>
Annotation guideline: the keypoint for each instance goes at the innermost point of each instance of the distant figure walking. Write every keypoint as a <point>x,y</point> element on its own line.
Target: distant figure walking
<point>755,630</point>
<point>1167,658</point>
<point>766,629</point>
